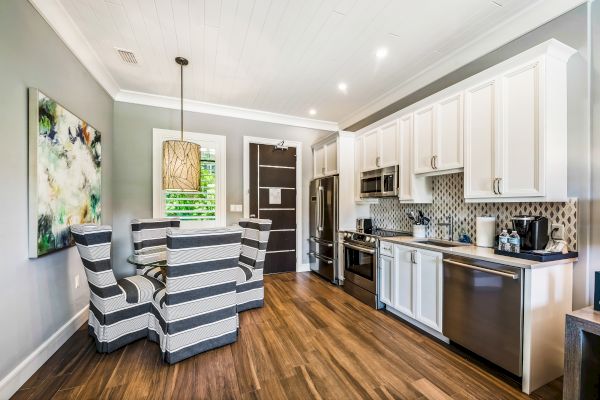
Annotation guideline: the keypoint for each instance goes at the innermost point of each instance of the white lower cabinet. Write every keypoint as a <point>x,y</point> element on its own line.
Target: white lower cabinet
<point>411,283</point>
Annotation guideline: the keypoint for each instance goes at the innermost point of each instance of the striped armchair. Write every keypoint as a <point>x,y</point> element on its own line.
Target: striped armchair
<point>150,244</point>
<point>196,311</point>
<point>250,288</point>
<point>119,309</point>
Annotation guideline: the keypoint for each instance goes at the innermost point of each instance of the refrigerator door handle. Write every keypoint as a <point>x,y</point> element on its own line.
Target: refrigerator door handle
<point>321,207</point>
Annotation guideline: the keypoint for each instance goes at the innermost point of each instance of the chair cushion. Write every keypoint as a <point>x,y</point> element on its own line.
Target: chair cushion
<point>152,272</point>
<point>139,288</point>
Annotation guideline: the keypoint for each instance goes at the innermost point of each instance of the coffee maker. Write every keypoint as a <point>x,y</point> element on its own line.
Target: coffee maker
<point>533,231</point>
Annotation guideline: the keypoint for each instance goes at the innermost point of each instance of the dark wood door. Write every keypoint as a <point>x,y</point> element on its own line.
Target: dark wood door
<point>273,196</point>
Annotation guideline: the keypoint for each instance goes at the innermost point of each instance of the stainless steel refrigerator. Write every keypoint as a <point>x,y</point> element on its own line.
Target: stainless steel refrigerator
<point>323,227</point>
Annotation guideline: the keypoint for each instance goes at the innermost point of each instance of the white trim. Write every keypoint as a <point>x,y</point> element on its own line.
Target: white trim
<point>160,135</point>
<point>525,21</point>
<point>303,268</point>
<point>18,376</point>
<point>148,99</point>
<point>67,30</point>
<point>246,186</point>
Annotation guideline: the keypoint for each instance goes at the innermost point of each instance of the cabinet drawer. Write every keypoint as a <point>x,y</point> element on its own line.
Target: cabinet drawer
<point>386,249</point>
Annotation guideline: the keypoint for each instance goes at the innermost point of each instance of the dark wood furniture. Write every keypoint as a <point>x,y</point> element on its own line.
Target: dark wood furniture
<point>582,355</point>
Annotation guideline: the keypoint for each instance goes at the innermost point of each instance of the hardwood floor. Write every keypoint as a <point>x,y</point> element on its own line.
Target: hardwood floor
<point>311,340</point>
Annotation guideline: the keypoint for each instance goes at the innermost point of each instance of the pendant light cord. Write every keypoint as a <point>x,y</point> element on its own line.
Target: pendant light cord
<point>181,82</point>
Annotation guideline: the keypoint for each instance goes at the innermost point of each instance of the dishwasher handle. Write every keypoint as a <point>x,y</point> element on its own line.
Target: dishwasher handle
<point>486,270</point>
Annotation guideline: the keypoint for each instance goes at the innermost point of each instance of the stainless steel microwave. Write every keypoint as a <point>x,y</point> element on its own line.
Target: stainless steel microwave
<point>379,183</point>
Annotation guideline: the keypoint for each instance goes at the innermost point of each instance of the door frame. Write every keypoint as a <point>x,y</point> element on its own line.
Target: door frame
<point>246,187</point>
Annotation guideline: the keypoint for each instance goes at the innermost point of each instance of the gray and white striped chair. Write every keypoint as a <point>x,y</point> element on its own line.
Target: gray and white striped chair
<point>250,288</point>
<point>150,244</point>
<point>119,309</point>
<point>196,311</point>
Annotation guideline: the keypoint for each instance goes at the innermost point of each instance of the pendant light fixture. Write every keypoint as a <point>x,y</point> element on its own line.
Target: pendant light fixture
<point>181,159</point>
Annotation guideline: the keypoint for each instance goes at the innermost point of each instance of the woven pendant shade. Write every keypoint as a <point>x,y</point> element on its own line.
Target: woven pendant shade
<point>181,165</point>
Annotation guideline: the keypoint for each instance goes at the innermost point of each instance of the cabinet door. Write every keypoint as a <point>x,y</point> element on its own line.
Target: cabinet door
<point>429,289</point>
<point>405,280</point>
<point>388,145</point>
<point>424,129</point>
<point>319,161</point>
<point>520,132</point>
<point>449,133</point>
<point>370,150</point>
<point>405,134</point>
<point>386,280</point>
<point>331,162</point>
<point>481,140</point>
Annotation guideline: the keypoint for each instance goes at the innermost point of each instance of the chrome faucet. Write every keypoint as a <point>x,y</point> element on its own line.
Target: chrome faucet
<point>450,224</point>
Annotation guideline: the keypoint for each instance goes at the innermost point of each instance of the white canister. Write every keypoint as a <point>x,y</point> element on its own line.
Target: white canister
<point>485,231</point>
<point>419,231</point>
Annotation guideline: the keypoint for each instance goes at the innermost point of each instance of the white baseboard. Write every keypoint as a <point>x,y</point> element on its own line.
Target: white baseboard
<point>303,268</point>
<point>18,376</point>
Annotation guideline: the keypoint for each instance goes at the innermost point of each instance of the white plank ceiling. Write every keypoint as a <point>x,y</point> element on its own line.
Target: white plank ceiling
<point>281,56</point>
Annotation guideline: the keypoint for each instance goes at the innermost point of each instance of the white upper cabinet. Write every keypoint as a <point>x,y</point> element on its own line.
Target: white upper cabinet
<point>424,131</point>
<point>412,189</point>
<point>448,138</point>
<point>481,140</point>
<point>380,147</point>
<point>325,158</point>
<point>516,129</point>
<point>388,145</point>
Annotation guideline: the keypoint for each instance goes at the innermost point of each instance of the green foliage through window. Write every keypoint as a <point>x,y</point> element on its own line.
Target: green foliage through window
<point>196,206</point>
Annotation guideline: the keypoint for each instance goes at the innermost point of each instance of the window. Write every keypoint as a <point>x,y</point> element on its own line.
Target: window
<point>205,207</point>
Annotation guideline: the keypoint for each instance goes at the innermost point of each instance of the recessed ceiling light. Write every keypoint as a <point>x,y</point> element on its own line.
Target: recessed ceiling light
<point>312,111</point>
<point>343,87</point>
<point>381,53</point>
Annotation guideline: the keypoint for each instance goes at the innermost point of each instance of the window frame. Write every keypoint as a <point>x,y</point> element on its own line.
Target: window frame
<point>220,145</point>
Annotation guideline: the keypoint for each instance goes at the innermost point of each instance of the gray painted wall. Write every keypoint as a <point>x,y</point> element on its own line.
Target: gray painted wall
<point>132,162</point>
<point>38,296</point>
<point>571,29</point>
<point>594,221</point>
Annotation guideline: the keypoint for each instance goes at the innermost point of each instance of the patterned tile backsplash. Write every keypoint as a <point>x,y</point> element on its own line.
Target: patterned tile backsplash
<point>448,199</point>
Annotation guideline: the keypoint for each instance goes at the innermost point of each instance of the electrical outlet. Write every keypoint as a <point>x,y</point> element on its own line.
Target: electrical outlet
<point>558,232</point>
<point>236,208</point>
<point>76,281</point>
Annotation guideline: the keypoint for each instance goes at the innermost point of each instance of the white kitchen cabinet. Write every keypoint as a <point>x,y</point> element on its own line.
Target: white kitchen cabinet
<point>416,288</point>
<point>429,274</point>
<point>412,188</point>
<point>370,150</point>
<point>516,132</point>
<point>424,130</point>
<point>325,158</point>
<point>481,140</point>
<point>438,136</point>
<point>380,147</point>
<point>386,280</point>
<point>405,279</point>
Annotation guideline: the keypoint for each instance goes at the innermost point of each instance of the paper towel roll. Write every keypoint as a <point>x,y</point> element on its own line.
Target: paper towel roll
<point>485,228</point>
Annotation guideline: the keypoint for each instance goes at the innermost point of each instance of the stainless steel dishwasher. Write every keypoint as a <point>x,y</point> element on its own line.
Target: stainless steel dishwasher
<point>483,310</point>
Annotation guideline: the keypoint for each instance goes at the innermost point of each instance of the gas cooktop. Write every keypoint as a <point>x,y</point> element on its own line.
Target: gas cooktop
<point>371,238</point>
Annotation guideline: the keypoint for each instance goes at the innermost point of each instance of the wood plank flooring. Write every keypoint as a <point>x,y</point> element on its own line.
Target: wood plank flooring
<point>310,341</point>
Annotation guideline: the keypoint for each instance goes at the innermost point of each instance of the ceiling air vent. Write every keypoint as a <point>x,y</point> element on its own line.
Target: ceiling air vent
<point>127,56</point>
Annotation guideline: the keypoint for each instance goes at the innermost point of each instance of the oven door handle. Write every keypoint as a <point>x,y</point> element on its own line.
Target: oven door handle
<point>363,249</point>
<point>318,257</point>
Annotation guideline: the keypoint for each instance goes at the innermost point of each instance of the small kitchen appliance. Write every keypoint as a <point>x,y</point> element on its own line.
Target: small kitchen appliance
<point>533,231</point>
<point>364,225</point>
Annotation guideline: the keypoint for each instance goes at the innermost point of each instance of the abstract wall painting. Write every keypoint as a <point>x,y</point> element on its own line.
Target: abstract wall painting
<point>64,174</point>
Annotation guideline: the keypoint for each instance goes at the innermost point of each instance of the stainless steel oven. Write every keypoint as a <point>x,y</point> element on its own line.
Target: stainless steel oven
<point>360,267</point>
<point>379,183</point>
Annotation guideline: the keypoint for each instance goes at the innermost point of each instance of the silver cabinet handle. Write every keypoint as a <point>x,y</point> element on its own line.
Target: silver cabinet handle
<point>359,248</point>
<point>323,170</point>
<point>499,182</point>
<point>486,270</point>
<point>377,161</point>
<point>413,257</point>
<point>435,162</point>
<point>431,162</point>
<point>318,257</point>
<point>494,185</point>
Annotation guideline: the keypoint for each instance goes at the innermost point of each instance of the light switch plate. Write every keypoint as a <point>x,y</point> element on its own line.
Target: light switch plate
<point>236,208</point>
<point>557,232</point>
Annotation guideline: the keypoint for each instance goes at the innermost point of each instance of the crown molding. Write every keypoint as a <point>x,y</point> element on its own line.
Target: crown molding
<point>525,21</point>
<point>61,22</point>
<point>154,100</point>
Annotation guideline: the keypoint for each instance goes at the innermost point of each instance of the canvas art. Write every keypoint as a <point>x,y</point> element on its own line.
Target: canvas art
<point>64,174</point>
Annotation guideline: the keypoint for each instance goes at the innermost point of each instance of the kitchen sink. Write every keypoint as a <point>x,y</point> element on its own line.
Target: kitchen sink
<point>440,243</point>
